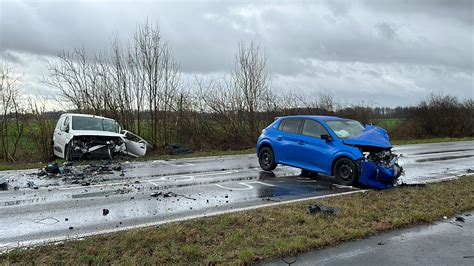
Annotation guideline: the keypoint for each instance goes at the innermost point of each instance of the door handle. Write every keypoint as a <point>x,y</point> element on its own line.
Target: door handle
<point>279,138</point>
<point>300,142</point>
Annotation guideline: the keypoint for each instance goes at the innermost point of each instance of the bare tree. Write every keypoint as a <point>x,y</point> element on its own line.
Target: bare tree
<point>250,79</point>
<point>12,123</point>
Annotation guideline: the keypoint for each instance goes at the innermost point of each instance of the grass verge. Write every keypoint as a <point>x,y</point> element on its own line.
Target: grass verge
<point>269,232</point>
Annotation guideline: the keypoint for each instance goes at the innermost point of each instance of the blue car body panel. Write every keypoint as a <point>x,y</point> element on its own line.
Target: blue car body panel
<point>371,136</point>
<point>319,155</point>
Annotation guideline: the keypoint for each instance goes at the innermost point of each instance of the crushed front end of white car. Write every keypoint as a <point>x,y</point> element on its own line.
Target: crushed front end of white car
<point>79,136</point>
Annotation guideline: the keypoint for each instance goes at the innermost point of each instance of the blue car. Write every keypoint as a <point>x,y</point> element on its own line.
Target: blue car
<point>339,147</point>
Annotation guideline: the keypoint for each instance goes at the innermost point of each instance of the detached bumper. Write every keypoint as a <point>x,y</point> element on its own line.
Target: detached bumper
<point>378,177</point>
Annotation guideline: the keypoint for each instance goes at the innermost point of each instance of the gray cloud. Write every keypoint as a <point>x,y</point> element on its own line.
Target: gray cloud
<point>363,43</point>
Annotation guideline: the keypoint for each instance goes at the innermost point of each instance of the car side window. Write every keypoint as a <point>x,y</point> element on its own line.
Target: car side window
<point>290,125</point>
<point>65,124</point>
<point>313,129</point>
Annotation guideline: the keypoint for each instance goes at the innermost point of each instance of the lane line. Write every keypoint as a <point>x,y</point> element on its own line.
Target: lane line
<point>232,188</point>
<point>163,178</point>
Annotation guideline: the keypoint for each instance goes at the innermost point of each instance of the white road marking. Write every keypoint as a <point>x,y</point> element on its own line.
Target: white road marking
<point>247,187</point>
<point>246,184</point>
<point>260,182</point>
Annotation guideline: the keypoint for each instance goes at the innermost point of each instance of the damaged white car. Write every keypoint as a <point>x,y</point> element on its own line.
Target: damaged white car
<point>80,136</point>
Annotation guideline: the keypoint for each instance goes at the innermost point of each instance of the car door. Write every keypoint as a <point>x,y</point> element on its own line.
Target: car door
<point>286,141</point>
<point>57,148</point>
<point>135,146</point>
<point>61,136</point>
<point>315,153</point>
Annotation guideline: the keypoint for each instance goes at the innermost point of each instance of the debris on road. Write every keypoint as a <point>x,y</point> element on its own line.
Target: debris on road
<point>460,219</point>
<point>105,212</point>
<point>32,184</point>
<point>176,149</point>
<point>315,209</point>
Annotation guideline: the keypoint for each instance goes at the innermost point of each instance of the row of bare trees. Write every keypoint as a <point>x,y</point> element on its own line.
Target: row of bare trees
<point>139,84</point>
<point>12,120</point>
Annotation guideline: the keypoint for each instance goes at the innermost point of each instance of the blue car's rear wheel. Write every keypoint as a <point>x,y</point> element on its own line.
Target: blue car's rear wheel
<point>345,172</point>
<point>266,159</point>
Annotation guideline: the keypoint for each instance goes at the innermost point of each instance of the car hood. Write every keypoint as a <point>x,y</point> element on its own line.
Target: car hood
<point>372,136</point>
<point>95,133</point>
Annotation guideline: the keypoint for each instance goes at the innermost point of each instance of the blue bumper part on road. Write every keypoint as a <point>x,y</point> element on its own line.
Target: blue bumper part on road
<point>378,177</point>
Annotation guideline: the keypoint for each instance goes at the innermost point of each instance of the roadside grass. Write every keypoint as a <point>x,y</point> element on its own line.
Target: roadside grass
<point>270,232</point>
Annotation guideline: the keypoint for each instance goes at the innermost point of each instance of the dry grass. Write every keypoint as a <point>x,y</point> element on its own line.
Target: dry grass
<point>264,233</point>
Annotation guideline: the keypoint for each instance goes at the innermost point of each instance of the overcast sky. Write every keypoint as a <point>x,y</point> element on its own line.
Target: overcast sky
<point>387,53</point>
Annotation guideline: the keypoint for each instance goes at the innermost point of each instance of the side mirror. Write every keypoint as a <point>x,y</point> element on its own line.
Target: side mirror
<point>326,137</point>
<point>66,129</point>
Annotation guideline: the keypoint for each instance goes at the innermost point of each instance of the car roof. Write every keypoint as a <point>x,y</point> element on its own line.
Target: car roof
<point>323,118</point>
<point>86,115</point>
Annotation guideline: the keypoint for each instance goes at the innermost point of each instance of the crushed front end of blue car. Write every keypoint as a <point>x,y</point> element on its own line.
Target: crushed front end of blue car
<point>379,167</point>
<point>380,170</point>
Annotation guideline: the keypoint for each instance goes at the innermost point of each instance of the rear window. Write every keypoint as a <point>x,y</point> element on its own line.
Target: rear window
<point>290,125</point>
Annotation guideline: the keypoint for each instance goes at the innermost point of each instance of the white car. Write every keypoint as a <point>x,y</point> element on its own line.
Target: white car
<point>84,136</point>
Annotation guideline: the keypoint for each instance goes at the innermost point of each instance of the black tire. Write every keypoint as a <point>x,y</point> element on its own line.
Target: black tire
<point>345,171</point>
<point>266,159</point>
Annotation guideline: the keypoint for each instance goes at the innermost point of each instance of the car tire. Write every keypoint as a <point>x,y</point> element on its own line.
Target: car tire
<point>266,159</point>
<point>345,171</point>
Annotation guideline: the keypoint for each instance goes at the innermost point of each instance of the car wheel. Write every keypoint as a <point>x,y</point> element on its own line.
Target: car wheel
<point>345,172</point>
<point>266,159</point>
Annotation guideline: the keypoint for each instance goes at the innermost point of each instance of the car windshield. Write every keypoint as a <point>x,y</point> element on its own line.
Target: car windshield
<point>94,123</point>
<point>345,129</point>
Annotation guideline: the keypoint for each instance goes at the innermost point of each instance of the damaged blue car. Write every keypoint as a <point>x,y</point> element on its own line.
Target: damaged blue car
<point>339,147</point>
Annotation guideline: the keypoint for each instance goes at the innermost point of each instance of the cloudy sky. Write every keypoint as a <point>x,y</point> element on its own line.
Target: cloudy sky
<point>387,53</point>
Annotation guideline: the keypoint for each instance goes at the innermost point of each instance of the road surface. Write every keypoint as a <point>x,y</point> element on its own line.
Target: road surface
<point>447,242</point>
<point>204,186</point>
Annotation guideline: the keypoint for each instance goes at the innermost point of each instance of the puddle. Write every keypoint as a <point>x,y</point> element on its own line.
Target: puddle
<point>435,152</point>
<point>444,158</point>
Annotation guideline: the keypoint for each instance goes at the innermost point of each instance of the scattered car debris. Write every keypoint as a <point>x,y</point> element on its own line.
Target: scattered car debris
<point>169,194</point>
<point>53,168</point>
<point>156,194</point>
<point>176,149</point>
<point>32,184</point>
<point>315,209</point>
<point>403,184</point>
<point>105,212</point>
<point>460,219</point>
<point>470,171</point>
<point>4,182</point>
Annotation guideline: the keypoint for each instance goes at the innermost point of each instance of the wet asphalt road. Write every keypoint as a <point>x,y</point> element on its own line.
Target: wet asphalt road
<point>204,186</point>
<point>447,242</point>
